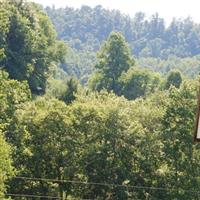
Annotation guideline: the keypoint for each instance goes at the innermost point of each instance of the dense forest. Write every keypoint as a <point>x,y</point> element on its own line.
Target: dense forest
<point>93,111</point>
<point>153,43</point>
<point>88,27</point>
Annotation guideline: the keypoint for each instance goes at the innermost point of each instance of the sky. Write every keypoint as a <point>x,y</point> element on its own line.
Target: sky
<point>165,8</point>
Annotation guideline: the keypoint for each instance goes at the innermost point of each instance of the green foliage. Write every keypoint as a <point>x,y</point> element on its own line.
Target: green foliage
<point>56,83</point>
<point>46,146</point>
<point>97,82</point>
<point>179,152</point>
<point>104,138</point>
<point>114,58</point>
<point>56,88</point>
<point>115,72</point>
<point>103,122</point>
<point>157,46</point>
<point>187,66</point>
<point>87,28</point>
<point>174,78</point>
<point>139,82</point>
<point>107,136</point>
<point>63,89</point>
<point>80,64</point>
<point>12,93</point>
<point>28,43</point>
<point>6,169</point>
<point>72,88</point>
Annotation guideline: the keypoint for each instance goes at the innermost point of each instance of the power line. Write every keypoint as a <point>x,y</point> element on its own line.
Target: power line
<point>40,196</point>
<point>37,196</point>
<point>106,184</point>
<point>31,195</point>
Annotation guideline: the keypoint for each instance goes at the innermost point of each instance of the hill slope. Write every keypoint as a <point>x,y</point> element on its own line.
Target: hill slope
<point>154,45</point>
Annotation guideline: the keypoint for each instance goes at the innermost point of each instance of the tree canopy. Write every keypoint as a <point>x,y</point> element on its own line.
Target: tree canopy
<point>113,59</point>
<point>6,168</point>
<point>28,43</point>
<point>153,43</point>
<point>128,134</point>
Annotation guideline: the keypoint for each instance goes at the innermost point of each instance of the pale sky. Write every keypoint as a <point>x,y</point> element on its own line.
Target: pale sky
<point>166,8</point>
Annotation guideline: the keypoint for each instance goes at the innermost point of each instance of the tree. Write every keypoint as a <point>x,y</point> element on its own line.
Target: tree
<point>114,58</point>
<point>62,89</point>
<point>99,138</point>
<point>181,156</point>
<point>107,152</point>
<point>72,88</point>
<point>28,43</point>
<point>139,82</point>
<point>6,169</point>
<point>45,146</point>
<point>174,78</point>
<point>12,94</point>
<point>148,160</point>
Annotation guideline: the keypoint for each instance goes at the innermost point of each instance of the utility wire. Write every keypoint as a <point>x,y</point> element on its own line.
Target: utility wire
<point>31,195</point>
<point>47,197</point>
<point>106,184</point>
<point>37,196</point>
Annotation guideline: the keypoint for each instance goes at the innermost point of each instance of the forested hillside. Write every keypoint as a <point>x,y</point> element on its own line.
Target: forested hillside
<point>86,28</point>
<point>126,135</point>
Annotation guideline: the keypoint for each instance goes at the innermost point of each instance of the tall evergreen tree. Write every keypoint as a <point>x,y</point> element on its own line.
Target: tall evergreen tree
<point>113,59</point>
